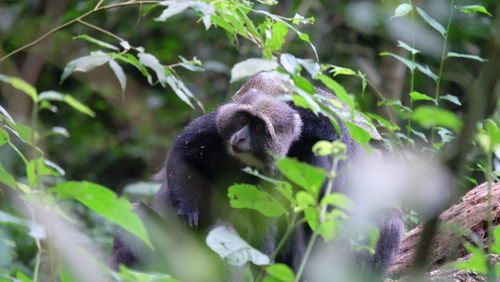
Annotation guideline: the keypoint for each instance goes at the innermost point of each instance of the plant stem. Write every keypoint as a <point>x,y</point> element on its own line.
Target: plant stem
<point>77,19</point>
<point>488,174</point>
<point>443,51</point>
<point>324,208</point>
<point>412,71</point>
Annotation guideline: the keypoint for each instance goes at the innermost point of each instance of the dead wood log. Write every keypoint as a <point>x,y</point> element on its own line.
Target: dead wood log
<point>469,214</point>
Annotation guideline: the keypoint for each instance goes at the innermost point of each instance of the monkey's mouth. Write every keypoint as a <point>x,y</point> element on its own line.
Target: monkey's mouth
<point>237,150</point>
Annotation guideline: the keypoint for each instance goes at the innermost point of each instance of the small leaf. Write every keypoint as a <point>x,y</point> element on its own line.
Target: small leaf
<point>432,22</point>
<point>402,10</point>
<point>4,137</point>
<point>429,116</point>
<point>289,63</point>
<point>338,200</point>
<point>477,261</point>
<point>251,67</point>
<point>304,37</point>
<point>451,98</point>
<point>303,84</point>
<point>466,56</point>
<point>180,90</point>
<point>7,178</point>
<point>6,114</point>
<point>152,62</point>
<point>416,96</point>
<point>249,196</point>
<point>51,96</point>
<point>328,229</point>
<point>407,47</point>
<point>21,85</point>
<point>37,231</point>
<point>77,105</point>
<point>471,9</point>
<point>312,217</point>
<point>173,8</point>
<point>427,71</point>
<point>229,245</point>
<point>276,38</point>
<point>358,133</point>
<point>104,202</point>
<point>96,41</point>
<point>339,90</point>
<point>306,176</point>
<point>85,64</point>
<point>305,200</point>
<point>421,135</point>
<point>410,64</point>
<point>312,67</point>
<point>281,271</point>
<point>120,75</point>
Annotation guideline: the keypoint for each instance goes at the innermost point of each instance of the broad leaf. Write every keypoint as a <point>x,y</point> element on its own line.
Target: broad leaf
<point>251,67</point>
<point>85,64</point>
<point>228,244</point>
<point>22,85</point>
<point>429,116</point>
<point>152,62</point>
<point>306,176</point>
<point>249,196</point>
<point>104,202</point>
<point>358,133</point>
<point>289,63</point>
<point>281,271</point>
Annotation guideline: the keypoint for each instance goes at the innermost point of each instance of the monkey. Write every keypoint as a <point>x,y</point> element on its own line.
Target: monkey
<point>253,129</point>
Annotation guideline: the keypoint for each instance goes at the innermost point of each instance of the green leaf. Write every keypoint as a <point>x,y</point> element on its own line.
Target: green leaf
<point>312,217</point>
<point>429,116</point>
<point>407,47</point>
<point>432,22</point>
<point>338,89</point>
<point>427,71</point>
<point>336,70</point>
<point>421,135</point>
<point>417,96</point>
<point>304,37</point>
<point>36,230</point>
<point>22,131</point>
<point>306,176</point>
<point>410,64</point>
<point>120,75</point>
<point>7,178</point>
<point>303,84</point>
<point>129,275</point>
<point>338,200</point>
<point>472,9</point>
<point>85,64</point>
<point>477,262</point>
<point>312,67</point>
<point>466,56</point>
<point>229,245</point>
<point>50,95</point>
<point>181,90</point>
<point>276,38</point>
<point>21,85</point>
<point>328,229</point>
<point>402,10</point>
<point>451,98</point>
<point>496,246</point>
<point>357,133</point>
<point>39,167</point>
<point>104,202</point>
<point>251,67</point>
<point>131,59</point>
<point>77,105</point>
<point>96,41</point>
<point>289,63</point>
<point>173,8</point>
<point>249,196</point>
<point>4,137</point>
<point>305,200</point>
<point>281,272</point>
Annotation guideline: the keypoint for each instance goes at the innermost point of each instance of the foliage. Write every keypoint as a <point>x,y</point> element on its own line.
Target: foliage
<point>42,158</point>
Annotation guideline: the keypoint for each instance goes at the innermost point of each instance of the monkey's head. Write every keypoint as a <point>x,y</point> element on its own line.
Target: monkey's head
<point>256,127</point>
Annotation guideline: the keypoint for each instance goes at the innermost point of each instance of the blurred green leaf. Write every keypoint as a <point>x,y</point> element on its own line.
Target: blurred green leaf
<point>22,85</point>
<point>104,202</point>
<point>86,63</point>
<point>152,62</point>
<point>129,275</point>
<point>327,229</point>
<point>466,56</point>
<point>289,63</point>
<point>276,38</point>
<point>410,64</point>
<point>251,67</point>
<point>451,98</point>
<point>36,230</point>
<point>358,133</point>
<point>305,200</point>
<point>402,10</point>
<point>281,271</point>
<point>407,47</point>
<point>77,105</point>
<point>96,41</point>
<point>4,137</point>
<point>7,178</point>
<point>416,96</point>
<point>477,261</point>
<point>429,116</point>
<point>249,196</point>
<point>472,9</point>
<point>338,200</point>
<point>118,71</point>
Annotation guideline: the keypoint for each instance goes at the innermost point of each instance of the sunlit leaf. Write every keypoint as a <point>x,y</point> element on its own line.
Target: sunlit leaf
<point>451,98</point>
<point>96,41</point>
<point>358,133</point>
<point>337,200</point>
<point>427,71</point>
<point>466,56</point>
<point>251,67</point>
<point>289,63</point>
<point>281,271</point>
<point>229,245</point>
<point>36,230</point>
<point>249,196</point>
<point>432,22</point>
<point>4,137</point>
<point>327,229</point>
<point>305,200</point>
<point>104,202</point>
<point>118,71</point>
<point>471,9</point>
<point>303,84</point>
<point>77,105</point>
<point>7,178</point>
<point>86,63</point>
<point>417,96</point>
<point>410,64</point>
<point>429,116</point>
<point>402,10</point>
<point>152,62</point>
<point>22,85</point>
<point>276,38</point>
<point>312,67</point>
<point>477,261</point>
<point>407,47</point>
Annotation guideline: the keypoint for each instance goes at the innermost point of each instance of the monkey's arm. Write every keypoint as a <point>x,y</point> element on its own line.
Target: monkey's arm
<point>190,167</point>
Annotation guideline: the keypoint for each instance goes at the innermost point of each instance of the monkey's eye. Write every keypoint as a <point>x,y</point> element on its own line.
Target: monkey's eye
<point>258,127</point>
<point>244,119</point>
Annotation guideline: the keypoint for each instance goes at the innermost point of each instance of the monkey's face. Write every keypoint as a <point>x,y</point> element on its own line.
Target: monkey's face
<point>256,127</point>
<point>248,140</point>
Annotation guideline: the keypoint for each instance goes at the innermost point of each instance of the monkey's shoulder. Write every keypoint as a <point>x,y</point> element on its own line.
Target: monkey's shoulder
<point>315,127</point>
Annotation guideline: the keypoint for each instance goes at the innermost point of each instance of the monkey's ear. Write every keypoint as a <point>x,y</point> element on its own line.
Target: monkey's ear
<point>297,126</point>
